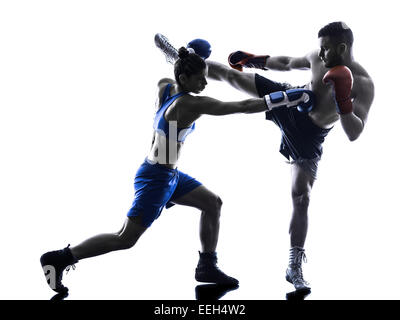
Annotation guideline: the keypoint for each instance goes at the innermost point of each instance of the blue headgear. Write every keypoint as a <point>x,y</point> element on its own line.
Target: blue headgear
<point>200,47</point>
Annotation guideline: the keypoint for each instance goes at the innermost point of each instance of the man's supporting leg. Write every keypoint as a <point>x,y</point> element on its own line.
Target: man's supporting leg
<point>210,206</point>
<point>302,182</point>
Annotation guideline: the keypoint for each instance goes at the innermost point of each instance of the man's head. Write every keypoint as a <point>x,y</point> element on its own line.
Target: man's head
<point>336,41</point>
<point>190,71</point>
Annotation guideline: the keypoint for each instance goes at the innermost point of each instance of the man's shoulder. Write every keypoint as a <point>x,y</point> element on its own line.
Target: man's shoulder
<point>316,62</point>
<point>362,80</point>
<point>360,72</point>
<point>313,56</point>
<point>363,85</point>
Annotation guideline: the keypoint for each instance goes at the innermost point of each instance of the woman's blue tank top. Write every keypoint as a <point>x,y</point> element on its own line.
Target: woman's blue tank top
<point>160,124</point>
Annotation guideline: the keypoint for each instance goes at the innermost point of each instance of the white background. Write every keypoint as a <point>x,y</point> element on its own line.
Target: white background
<point>77,92</point>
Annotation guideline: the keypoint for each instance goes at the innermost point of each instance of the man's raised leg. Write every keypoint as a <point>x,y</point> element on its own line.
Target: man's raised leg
<point>242,81</point>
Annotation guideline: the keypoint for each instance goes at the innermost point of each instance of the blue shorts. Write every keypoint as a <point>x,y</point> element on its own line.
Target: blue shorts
<point>156,187</point>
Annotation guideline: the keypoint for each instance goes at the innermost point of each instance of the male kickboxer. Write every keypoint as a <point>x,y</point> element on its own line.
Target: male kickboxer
<point>343,91</point>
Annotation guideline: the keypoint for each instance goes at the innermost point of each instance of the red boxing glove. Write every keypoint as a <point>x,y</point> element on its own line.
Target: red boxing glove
<point>342,80</point>
<point>239,59</point>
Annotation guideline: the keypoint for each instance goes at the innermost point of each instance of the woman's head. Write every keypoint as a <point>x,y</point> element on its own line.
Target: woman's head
<point>190,71</point>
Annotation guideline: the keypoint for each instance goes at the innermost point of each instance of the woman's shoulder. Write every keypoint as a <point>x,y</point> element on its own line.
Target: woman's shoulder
<point>192,103</point>
<point>164,82</point>
<point>162,85</point>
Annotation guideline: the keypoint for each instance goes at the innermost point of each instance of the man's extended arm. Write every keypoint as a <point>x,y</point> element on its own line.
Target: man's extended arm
<point>240,59</point>
<point>283,63</point>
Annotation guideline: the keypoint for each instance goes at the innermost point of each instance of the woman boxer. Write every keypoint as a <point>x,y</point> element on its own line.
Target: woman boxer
<point>158,182</point>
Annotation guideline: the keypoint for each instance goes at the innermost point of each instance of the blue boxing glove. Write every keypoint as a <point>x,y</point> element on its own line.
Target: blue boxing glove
<point>301,98</point>
<point>200,47</point>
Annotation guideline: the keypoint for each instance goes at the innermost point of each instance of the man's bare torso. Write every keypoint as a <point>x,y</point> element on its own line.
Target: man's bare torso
<point>324,113</point>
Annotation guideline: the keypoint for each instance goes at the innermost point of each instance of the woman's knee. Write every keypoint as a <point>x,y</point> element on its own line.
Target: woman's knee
<point>130,234</point>
<point>213,205</point>
<point>126,242</point>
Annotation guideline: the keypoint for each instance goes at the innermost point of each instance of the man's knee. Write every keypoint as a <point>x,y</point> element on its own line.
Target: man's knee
<point>301,199</point>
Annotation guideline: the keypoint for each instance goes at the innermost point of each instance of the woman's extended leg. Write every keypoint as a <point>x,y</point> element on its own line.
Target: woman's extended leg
<point>55,262</point>
<point>104,243</point>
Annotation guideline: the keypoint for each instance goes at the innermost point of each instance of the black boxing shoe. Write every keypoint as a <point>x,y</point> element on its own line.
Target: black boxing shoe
<point>54,263</point>
<point>207,271</point>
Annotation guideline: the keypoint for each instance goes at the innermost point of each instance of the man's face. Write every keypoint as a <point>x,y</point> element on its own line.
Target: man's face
<point>329,52</point>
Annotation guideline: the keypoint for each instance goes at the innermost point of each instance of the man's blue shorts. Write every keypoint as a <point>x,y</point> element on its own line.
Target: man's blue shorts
<point>156,187</point>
